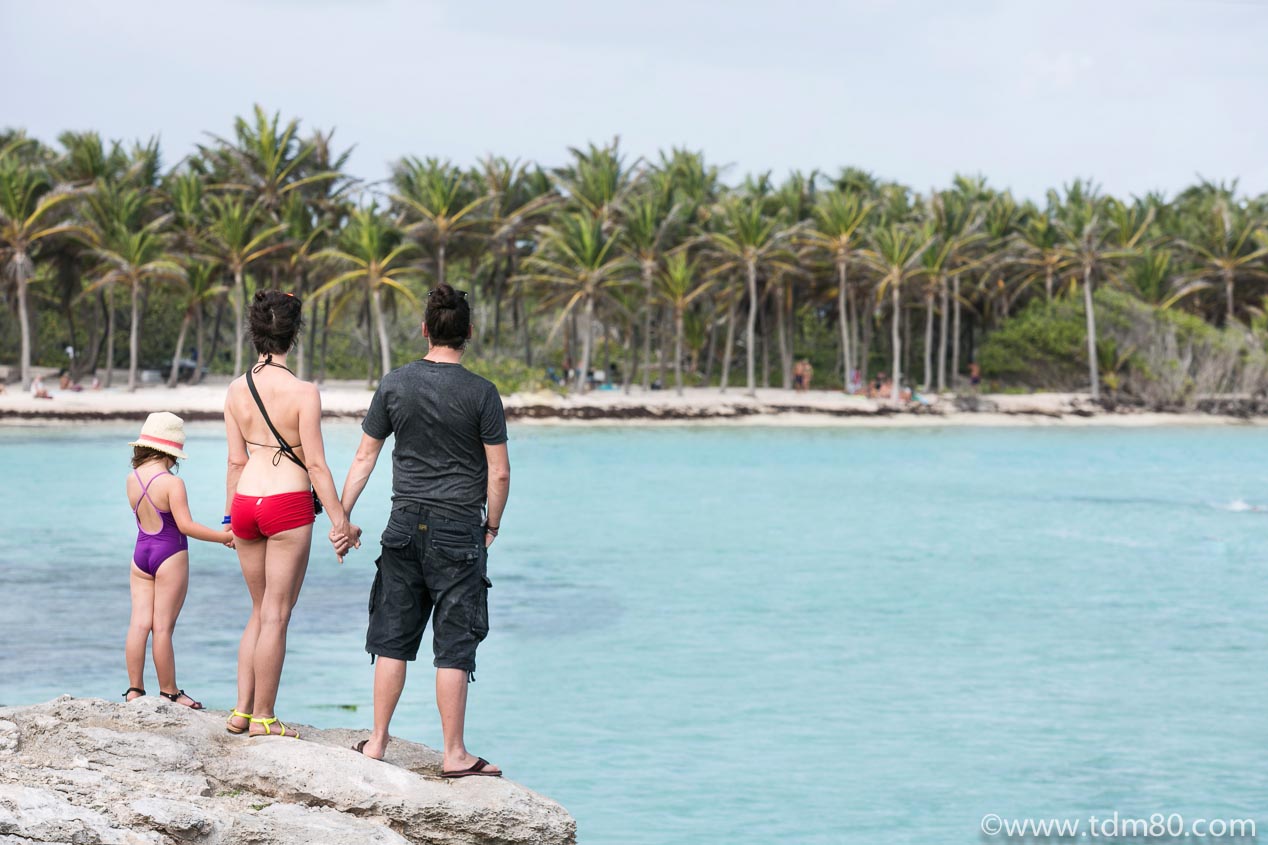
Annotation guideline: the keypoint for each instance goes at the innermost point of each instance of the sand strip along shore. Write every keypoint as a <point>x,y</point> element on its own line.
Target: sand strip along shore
<point>349,400</point>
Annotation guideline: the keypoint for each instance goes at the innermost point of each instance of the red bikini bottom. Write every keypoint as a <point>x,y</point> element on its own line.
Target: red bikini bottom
<point>253,517</point>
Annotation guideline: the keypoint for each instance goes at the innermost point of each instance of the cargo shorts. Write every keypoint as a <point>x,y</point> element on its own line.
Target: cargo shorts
<point>430,568</point>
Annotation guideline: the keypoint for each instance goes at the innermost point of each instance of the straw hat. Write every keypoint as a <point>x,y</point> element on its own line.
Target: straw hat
<point>163,432</point>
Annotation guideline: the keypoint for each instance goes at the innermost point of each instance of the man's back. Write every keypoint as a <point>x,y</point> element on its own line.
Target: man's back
<point>443,416</point>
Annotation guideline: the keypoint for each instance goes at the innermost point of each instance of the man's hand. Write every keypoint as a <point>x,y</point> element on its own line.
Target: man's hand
<point>489,538</point>
<point>343,541</point>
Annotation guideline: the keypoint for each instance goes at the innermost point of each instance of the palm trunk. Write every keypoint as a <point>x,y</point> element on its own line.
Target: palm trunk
<point>215,329</point>
<point>239,307</point>
<point>385,351</point>
<point>1093,370</point>
<point>678,349</point>
<point>133,334</point>
<point>843,320</point>
<point>955,332</point>
<point>110,334</point>
<point>649,270</point>
<point>785,350</point>
<point>24,323</point>
<point>200,362</point>
<point>1228,295</point>
<point>750,331</point>
<point>631,357</point>
<point>1047,281</point>
<point>440,264</point>
<point>301,348</point>
<point>896,344</point>
<point>942,336</point>
<point>928,380</point>
<point>325,335</point>
<point>729,347</point>
<point>586,342</point>
<point>180,344</point>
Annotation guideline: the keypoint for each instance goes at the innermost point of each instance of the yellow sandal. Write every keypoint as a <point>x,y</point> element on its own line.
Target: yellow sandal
<point>294,734</point>
<point>236,715</point>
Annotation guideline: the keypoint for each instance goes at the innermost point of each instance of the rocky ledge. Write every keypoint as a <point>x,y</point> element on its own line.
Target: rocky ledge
<point>86,771</point>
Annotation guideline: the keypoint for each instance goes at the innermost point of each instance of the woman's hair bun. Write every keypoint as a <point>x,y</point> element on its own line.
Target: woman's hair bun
<point>274,321</point>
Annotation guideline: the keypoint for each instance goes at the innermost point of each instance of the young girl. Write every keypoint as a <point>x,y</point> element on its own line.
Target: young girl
<point>160,562</point>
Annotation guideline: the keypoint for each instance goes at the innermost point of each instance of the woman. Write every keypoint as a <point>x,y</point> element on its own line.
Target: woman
<point>276,462</point>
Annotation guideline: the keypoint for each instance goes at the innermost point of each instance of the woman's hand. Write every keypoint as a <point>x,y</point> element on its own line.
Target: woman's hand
<point>227,540</point>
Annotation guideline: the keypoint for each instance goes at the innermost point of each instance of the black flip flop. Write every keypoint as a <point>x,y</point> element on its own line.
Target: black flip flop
<point>476,770</point>
<point>174,697</point>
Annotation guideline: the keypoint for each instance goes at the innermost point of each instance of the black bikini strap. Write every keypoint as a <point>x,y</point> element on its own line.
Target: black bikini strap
<point>283,448</point>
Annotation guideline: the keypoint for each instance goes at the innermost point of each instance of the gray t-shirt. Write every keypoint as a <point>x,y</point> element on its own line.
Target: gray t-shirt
<point>442,416</point>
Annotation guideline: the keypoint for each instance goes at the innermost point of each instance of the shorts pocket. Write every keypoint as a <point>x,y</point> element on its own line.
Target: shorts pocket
<point>480,618</point>
<point>399,531</point>
<point>377,586</point>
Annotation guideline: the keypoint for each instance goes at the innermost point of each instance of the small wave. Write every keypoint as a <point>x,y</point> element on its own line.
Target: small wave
<point>1239,506</point>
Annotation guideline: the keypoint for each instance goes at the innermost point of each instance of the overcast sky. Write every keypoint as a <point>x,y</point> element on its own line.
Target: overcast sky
<point>1137,94</point>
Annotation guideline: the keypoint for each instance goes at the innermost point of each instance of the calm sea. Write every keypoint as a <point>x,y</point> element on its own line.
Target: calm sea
<point>757,635</point>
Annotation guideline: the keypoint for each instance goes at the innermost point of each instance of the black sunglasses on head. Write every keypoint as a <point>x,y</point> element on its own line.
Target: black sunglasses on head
<point>461,293</point>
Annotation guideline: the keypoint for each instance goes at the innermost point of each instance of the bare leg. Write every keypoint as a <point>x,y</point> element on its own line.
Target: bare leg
<point>171,583</point>
<point>251,556</point>
<point>286,561</point>
<point>389,680</point>
<point>139,626</point>
<point>451,700</point>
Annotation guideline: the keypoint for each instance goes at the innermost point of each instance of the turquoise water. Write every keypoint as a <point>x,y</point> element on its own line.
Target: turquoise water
<point>757,635</point>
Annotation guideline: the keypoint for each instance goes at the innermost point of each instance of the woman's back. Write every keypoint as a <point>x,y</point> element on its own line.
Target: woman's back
<point>289,402</point>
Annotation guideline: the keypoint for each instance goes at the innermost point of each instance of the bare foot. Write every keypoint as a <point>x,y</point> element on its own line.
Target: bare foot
<point>466,761</point>
<point>372,748</point>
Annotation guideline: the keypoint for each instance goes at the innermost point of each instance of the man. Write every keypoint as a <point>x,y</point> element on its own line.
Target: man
<point>449,463</point>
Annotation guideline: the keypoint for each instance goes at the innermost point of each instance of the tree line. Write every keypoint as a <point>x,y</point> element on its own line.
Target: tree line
<point>661,262</point>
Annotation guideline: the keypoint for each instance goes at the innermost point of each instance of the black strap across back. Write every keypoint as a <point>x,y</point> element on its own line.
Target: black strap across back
<point>283,448</point>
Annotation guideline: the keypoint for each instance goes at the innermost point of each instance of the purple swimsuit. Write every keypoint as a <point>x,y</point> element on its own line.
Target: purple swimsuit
<point>153,549</point>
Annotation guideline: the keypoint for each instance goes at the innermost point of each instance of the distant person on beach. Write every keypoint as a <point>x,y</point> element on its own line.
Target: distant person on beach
<point>38,390</point>
<point>450,481</point>
<point>807,374</point>
<point>975,375</point>
<point>856,381</point>
<point>160,560</point>
<point>273,488</point>
<point>799,376</point>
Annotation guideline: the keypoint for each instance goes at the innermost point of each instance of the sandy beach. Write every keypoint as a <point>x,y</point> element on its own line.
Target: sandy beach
<point>349,400</point>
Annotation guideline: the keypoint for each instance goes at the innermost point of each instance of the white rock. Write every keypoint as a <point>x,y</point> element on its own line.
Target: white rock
<point>91,772</point>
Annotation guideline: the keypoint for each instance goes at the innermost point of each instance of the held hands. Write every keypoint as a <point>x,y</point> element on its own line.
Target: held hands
<point>344,541</point>
<point>227,539</point>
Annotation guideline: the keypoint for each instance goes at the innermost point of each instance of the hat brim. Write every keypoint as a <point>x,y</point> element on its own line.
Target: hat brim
<point>160,447</point>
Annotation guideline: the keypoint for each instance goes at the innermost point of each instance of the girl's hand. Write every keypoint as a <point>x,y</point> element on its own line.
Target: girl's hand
<point>227,540</point>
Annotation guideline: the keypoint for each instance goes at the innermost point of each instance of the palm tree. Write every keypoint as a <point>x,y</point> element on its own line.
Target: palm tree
<point>439,201</point>
<point>375,253</point>
<point>651,224</point>
<point>28,202</point>
<point>894,255</point>
<point>597,181</point>
<point>1222,244</point>
<point>581,262</point>
<point>134,258</point>
<point>748,239</point>
<point>839,218</point>
<point>268,160</point>
<point>1091,245</point>
<point>237,237</point>
<point>197,287</point>
<point>678,289</point>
